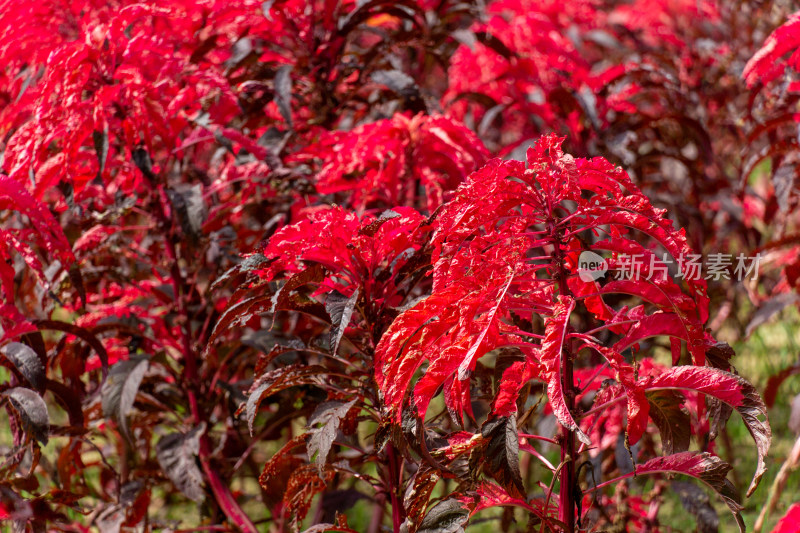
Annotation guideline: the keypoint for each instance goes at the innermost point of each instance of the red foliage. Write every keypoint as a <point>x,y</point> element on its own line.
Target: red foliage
<point>790,522</point>
<point>269,240</point>
<point>386,163</point>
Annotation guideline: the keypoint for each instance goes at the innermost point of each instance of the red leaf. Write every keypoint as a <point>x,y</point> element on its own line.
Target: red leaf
<point>728,388</point>
<point>638,406</point>
<point>46,233</point>
<point>708,468</point>
<point>790,522</point>
<point>775,380</point>
<point>510,384</point>
<point>456,334</point>
<point>555,333</point>
<point>402,348</point>
<point>469,358</point>
<point>383,163</point>
<point>666,324</point>
<point>763,65</point>
<point>354,251</point>
<point>492,495</point>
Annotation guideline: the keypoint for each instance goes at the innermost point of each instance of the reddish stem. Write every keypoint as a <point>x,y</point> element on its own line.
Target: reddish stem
<point>567,480</point>
<point>219,488</point>
<point>566,494</point>
<point>611,481</point>
<point>398,513</point>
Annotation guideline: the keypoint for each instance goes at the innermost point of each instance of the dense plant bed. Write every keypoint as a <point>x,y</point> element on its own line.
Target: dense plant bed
<point>418,266</point>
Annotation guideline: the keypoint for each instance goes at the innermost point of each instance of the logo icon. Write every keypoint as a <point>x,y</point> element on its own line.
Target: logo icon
<point>591,266</point>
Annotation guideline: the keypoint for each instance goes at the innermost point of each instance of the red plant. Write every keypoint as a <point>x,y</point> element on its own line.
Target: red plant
<point>505,277</point>
<point>267,241</point>
<point>788,523</point>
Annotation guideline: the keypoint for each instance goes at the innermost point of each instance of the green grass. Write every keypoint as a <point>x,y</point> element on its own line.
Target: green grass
<point>771,348</point>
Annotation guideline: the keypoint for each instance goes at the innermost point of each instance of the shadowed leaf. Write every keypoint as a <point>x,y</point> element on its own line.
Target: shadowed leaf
<point>283,92</point>
<point>32,411</point>
<point>27,362</point>
<point>276,381</point>
<point>696,501</point>
<point>418,492</point>
<point>671,419</point>
<point>708,468</point>
<point>340,308</point>
<point>502,453</point>
<point>447,516</point>
<point>177,454</point>
<point>329,415</point>
<point>119,390</point>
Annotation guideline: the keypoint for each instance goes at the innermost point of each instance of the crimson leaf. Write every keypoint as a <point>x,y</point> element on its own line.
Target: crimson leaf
<point>708,468</point>
<point>762,67</point>
<point>788,522</point>
<point>734,391</point>
<point>552,347</point>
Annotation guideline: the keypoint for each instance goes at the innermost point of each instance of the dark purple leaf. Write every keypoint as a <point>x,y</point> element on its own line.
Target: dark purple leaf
<point>447,516</point>
<point>696,501</point>
<point>32,412</point>
<point>119,390</point>
<point>770,308</point>
<point>329,416</point>
<point>283,92</point>
<point>671,419</point>
<point>502,453</point>
<point>177,455</point>
<point>27,362</point>
<point>340,308</point>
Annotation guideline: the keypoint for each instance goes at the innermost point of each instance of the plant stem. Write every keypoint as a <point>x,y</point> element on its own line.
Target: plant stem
<point>220,489</point>
<point>377,514</point>
<point>611,481</point>
<point>567,480</point>
<point>398,513</point>
<point>566,494</point>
